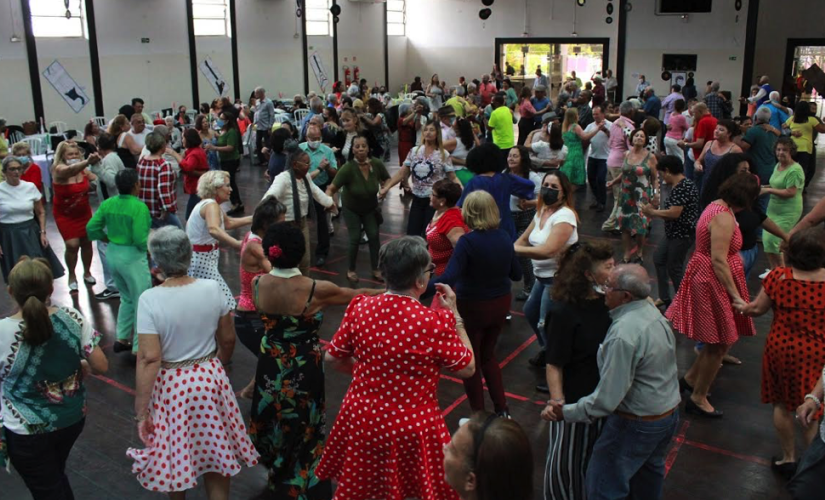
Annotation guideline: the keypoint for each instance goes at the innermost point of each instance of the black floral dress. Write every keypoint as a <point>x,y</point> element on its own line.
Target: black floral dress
<point>287,421</point>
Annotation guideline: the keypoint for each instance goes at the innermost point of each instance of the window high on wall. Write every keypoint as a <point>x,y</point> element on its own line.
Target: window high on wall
<point>396,17</point>
<point>49,18</point>
<point>211,17</point>
<point>318,17</point>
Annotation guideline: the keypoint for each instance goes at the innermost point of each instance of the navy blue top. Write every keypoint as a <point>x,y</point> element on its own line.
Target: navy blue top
<point>500,187</point>
<point>482,265</point>
<point>277,164</point>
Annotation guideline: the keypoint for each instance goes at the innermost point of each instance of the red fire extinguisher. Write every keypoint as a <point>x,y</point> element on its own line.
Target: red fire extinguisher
<point>347,79</point>
<point>356,74</point>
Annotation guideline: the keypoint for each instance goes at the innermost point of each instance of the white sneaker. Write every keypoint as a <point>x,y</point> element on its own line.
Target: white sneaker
<point>765,274</point>
<point>462,421</point>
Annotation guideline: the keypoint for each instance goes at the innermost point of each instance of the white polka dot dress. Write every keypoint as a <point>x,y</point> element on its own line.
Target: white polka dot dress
<point>198,428</point>
<point>204,265</point>
<point>387,441</point>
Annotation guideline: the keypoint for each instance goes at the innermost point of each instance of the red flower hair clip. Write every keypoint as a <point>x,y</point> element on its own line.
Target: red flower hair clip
<point>275,252</point>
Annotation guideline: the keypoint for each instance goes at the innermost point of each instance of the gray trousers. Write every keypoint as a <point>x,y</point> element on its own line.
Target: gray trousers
<point>669,261</point>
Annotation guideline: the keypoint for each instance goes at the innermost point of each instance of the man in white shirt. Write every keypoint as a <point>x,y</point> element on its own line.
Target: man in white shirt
<point>293,188</point>
<point>139,131</point>
<point>597,157</point>
<point>610,86</point>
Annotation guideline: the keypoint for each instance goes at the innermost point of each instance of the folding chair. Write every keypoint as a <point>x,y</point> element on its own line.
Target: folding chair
<point>60,127</point>
<point>299,115</point>
<point>35,145</point>
<point>99,121</point>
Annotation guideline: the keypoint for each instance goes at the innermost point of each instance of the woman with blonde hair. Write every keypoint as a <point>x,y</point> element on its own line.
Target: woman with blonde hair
<point>481,270</point>
<point>71,207</point>
<point>207,228</point>
<point>43,347</point>
<point>427,163</point>
<point>573,136</point>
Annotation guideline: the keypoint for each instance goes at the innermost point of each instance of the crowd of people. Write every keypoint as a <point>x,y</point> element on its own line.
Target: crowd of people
<point>491,175</point>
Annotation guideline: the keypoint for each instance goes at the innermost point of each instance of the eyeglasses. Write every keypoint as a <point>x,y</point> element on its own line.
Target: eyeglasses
<point>430,269</point>
<point>14,169</point>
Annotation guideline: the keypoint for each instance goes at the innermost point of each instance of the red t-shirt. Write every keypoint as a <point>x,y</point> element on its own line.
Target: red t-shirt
<point>487,92</point>
<point>704,129</point>
<point>34,175</point>
<point>193,160</point>
<point>439,245</point>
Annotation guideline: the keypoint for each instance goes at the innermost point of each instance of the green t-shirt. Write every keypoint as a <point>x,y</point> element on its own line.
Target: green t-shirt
<point>510,97</point>
<point>457,104</point>
<point>786,211</point>
<point>501,121</point>
<point>360,194</point>
<point>805,143</point>
<point>761,151</point>
<point>230,137</point>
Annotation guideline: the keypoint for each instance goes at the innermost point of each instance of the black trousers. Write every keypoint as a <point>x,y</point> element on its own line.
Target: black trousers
<point>232,167</point>
<point>525,126</point>
<point>421,213</point>
<point>261,140</point>
<point>322,249</point>
<point>40,459</point>
<point>808,166</point>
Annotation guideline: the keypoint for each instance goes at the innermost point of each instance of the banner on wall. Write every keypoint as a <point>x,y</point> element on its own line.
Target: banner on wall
<point>320,72</point>
<point>214,76</point>
<point>64,84</point>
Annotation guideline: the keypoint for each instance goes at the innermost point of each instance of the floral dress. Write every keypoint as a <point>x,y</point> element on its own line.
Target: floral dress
<point>287,421</point>
<point>637,190</point>
<point>573,166</point>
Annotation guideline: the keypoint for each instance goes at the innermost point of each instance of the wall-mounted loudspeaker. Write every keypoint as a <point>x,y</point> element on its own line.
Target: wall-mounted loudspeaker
<point>484,14</point>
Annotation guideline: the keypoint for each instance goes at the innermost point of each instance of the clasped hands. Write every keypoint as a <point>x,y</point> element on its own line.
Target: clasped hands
<point>553,411</point>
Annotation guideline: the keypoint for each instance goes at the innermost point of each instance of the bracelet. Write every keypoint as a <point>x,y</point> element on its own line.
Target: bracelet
<point>815,399</point>
<point>560,401</point>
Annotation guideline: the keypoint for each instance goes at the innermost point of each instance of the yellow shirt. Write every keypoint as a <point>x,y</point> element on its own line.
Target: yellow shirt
<point>804,143</point>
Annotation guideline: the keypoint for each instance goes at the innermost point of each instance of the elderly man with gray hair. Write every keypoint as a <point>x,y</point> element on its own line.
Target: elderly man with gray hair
<point>779,113</point>
<point>719,107</point>
<point>316,107</point>
<point>758,143</point>
<point>637,395</point>
<point>264,119</point>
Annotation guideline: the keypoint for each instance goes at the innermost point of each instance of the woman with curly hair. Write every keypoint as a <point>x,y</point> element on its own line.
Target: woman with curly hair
<point>579,322</point>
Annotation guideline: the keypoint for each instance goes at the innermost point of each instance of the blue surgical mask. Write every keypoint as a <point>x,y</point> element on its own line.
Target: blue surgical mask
<point>220,123</point>
<point>24,160</point>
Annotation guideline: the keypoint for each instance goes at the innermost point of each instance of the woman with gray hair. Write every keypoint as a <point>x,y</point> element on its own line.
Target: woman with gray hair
<point>22,221</point>
<point>389,437</point>
<point>207,226</point>
<point>175,349</point>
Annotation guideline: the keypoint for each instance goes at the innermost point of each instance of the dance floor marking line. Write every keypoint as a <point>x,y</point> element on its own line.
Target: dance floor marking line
<point>733,454</point>
<point>115,384</point>
<point>678,440</point>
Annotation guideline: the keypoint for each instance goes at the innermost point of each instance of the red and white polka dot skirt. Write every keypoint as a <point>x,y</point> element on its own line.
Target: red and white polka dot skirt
<point>198,429</point>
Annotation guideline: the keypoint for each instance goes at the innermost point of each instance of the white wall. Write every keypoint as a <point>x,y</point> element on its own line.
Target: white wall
<point>713,37</point>
<point>776,24</point>
<point>361,40</point>
<point>447,37</point>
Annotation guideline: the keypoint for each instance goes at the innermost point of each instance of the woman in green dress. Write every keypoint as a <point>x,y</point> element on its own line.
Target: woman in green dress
<point>638,180</point>
<point>287,421</point>
<point>573,136</point>
<point>785,204</point>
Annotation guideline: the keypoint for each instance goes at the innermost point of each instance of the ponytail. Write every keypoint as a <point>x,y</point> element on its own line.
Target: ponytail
<point>30,282</point>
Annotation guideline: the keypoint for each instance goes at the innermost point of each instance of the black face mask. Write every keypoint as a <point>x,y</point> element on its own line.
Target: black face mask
<point>549,195</point>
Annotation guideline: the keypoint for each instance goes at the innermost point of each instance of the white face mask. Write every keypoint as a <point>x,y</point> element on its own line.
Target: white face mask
<point>313,144</point>
<point>72,162</point>
<point>599,289</point>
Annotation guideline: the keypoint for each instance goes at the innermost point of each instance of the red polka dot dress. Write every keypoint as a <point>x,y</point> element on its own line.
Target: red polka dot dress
<point>387,441</point>
<point>702,309</point>
<point>795,350</point>
<point>198,429</point>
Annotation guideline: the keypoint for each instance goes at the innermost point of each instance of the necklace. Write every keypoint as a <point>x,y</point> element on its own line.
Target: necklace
<point>400,294</point>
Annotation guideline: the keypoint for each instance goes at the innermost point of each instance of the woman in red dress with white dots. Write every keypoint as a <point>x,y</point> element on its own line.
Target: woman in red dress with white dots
<point>388,439</point>
<point>714,283</point>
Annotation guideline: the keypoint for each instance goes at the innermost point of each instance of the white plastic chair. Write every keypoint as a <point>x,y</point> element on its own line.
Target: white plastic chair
<point>99,121</point>
<point>410,96</point>
<point>281,118</point>
<point>60,126</point>
<point>35,145</point>
<point>300,114</point>
<point>15,137</point>
<point>192,114</point>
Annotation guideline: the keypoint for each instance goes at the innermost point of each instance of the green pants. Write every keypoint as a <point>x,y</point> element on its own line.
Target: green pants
<point>130,270</point>
<point>354,223</point>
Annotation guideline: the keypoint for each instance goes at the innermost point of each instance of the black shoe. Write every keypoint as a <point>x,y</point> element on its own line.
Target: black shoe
<point>786,470</point>
<point>542,387</point>
<point>538,361</point>
<point>693,408</point>
<point>504,414</point>
<point>107,294</point>
<point>121,346</point>
<point>684,386</point>
<point>320,261</point>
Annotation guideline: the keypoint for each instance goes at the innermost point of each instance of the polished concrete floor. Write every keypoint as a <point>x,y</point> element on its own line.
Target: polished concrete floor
<point>728,459</point>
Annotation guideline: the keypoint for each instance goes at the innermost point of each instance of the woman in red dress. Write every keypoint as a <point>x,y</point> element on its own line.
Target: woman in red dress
<point>388,439</point>
<point>447,225</point>
<point>714,283</point>
<point>71,207</point>
<point>795,349</point>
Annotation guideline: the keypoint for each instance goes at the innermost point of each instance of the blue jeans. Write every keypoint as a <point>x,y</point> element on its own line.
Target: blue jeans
<point>628,460</point>
<point>171,220</point>
<point>537,306</point>
<point>808,481</point>
<point>749,259</point>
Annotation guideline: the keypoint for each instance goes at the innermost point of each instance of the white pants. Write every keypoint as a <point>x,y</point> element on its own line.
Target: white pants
<point>672,148</point>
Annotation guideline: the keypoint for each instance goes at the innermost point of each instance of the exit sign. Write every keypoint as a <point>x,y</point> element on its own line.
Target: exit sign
<point>144,40</point>
<point>732,58</point>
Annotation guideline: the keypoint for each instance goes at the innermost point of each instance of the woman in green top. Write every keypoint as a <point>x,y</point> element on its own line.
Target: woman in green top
<point>802,126</point>
<point>229,149</point>
<point>510,97</point>
<point>573,136</point>
<point>363,177</point>
<point>785,205</point>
